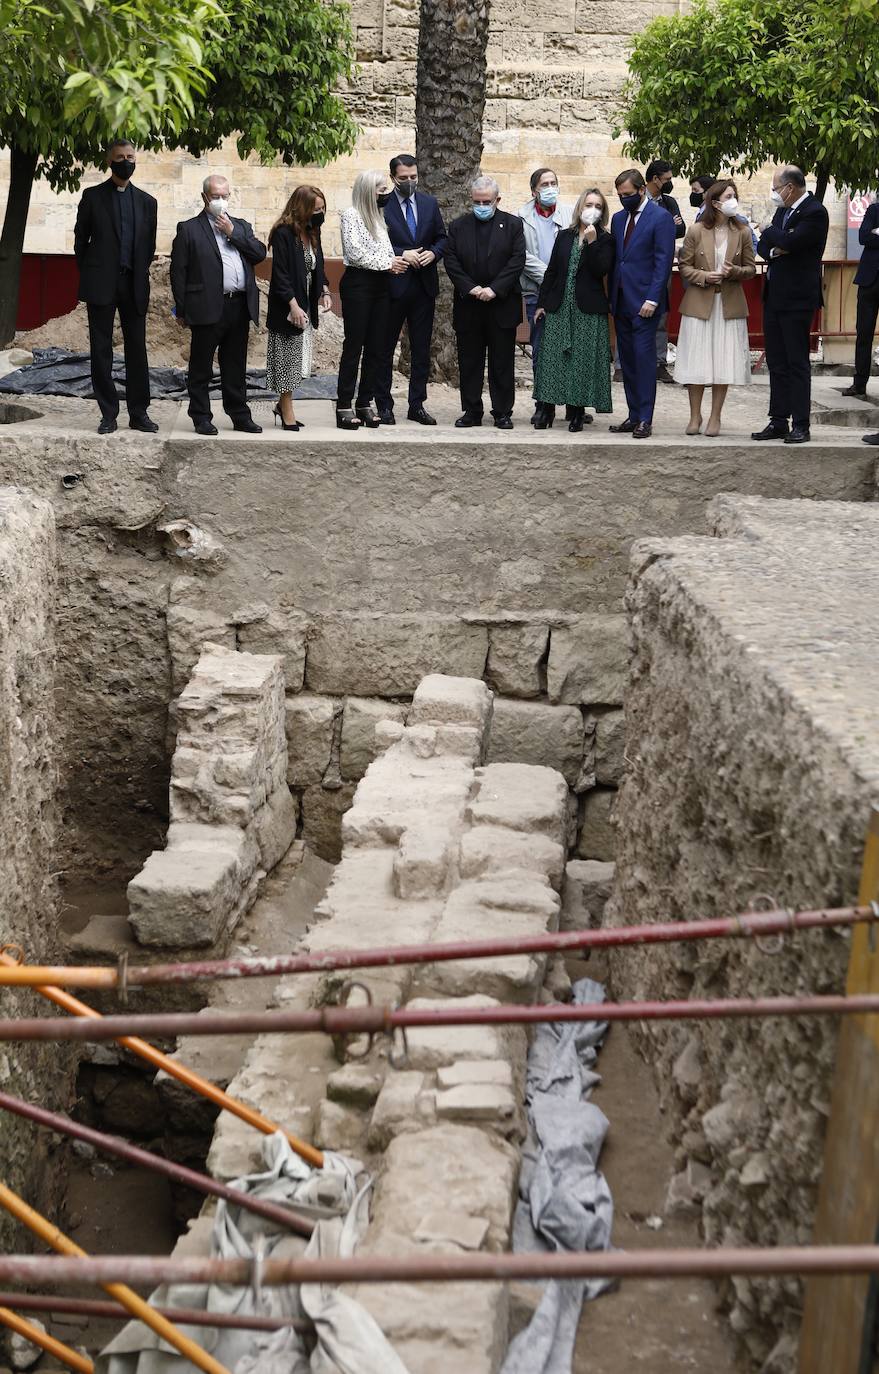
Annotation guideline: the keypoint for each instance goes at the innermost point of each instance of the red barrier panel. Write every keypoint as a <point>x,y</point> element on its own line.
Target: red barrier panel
<point>753,295</point>
<point>49,283</point>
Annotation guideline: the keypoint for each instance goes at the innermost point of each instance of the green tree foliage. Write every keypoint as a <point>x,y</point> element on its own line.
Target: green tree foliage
<point>737,83</point>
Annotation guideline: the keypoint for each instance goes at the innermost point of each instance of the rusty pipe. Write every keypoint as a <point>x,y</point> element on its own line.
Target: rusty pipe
<point>183,1316</point>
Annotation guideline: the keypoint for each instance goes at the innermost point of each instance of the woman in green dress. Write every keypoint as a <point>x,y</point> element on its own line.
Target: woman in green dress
<point>573,367</point>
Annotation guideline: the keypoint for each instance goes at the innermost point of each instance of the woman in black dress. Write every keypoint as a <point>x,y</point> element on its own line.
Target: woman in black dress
<point>299,289</point>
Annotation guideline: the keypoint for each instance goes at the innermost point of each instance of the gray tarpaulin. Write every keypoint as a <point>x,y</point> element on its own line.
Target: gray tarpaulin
<point>564,1201</point>
<point>348,1340</point>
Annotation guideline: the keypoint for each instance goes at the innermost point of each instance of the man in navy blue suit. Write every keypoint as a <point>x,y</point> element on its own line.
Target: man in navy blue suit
<point>645,241</point>
<point>418,235</point>
<point>867,282</point>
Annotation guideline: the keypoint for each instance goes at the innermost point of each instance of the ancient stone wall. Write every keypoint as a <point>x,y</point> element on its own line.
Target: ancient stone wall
<point>28,822</point>
<point>752,765</point>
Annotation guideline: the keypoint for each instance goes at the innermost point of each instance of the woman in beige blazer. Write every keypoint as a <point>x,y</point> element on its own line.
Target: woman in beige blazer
<point>716,257</point>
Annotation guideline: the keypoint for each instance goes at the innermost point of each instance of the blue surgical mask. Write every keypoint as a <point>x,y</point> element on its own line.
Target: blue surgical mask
<point>548,195</point>
<point>483,211</point>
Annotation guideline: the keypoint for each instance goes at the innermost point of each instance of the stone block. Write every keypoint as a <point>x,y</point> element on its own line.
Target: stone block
<point>274,827</point>
<point>597,833</point>
<point>393,77</point>
<point>309,723</point>
<point>339,1128</point>
<point>588,661</point>
<point>399,791</point>
<point>474,1071</point>
<point>588,884</point>
<point>489,1104</point>
<point>432,1046</point>
<point>610,748</point>
<point>423,862</point>
<point>441,699</point>
<point>322,812</point>
<point>403,1105</point>
<point>612,16</point>
<point>189,629</point>
<point>521,797</point>
<point>388,655</point>
<point>359,744</point>
<point>276,631</point>
<point>489,849</point>
<point>533,114</point>
<point>534,733</point>
<point>354,1085</point>
<point>453,1228</point>
<point>517,653</point>
<point>495,908</point>
<point>185,896</point>
<point>555,15</point>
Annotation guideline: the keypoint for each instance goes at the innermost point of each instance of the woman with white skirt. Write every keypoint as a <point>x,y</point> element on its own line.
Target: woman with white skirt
<point>716,257</point>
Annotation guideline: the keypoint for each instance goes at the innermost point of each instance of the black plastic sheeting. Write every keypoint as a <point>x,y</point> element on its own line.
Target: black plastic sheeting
<point>58,372</point>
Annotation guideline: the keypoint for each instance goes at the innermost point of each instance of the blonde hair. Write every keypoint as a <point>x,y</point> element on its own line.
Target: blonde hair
<point>365,202</point>
<point>590,191</point>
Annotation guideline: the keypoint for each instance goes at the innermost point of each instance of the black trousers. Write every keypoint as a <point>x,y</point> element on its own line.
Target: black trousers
<point>868,311</point>
<point>416,310</point>
<point>479,335</point>
<point>228,337</point>
<point>365,298</point>
<point>786,334</point>
<point>137,375</point>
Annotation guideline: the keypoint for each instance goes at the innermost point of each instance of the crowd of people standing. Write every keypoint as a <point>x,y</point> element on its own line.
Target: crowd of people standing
<point>573,271</point>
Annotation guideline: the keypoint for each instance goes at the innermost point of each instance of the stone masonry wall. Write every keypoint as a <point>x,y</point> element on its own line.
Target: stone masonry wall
<point>28,820</point>
<point>753,762</point>
<point>232,814</point>
<point>438,845</point>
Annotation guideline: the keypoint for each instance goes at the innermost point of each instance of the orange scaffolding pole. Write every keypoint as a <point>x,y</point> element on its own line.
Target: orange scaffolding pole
<point>44,1341</point>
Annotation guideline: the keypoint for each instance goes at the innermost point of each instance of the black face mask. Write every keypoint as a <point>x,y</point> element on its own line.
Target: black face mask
<point>696,199</point>
<point>122,169</point>
<point>666,188</point>
<point>317,219</point>
<point>630,203</point>
<point>383,198</point>
<point>406,188</point>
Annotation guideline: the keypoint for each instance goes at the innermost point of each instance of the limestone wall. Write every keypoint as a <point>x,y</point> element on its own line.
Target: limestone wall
<point>753,764</point>
<point>28,823</point>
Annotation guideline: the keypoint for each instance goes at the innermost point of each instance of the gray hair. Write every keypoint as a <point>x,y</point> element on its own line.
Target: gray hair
<point>214,176</point>
<point>485,183</point>
<point>364,198</point>
<point>791,176</point>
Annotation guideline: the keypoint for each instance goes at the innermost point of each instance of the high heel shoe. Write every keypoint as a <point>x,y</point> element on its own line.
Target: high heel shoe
<point>346,419</point>
<point>278,416</point>
<point>577,418</point>
<point>545,418</point>
<point>367,416</point>
<point>691,430</point>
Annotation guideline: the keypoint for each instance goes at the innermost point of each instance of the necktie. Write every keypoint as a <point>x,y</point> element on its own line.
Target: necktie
<point>787,215</point>
<point>629,228</point>
<point>410,217</point>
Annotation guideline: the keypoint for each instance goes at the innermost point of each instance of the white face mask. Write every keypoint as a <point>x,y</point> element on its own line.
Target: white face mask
<point>729,207</point>
<point>776,197</point>
<point>590,214</point>
<point>218,206</point>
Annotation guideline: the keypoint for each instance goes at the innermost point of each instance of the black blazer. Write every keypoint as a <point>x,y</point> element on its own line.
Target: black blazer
<point>506,258</point>
<point>288,281</point>
<point>868,267</point>
<point>430,233</point>
<point>670,204</point>
<point>793,281</point>
<point>96,243</point>
<point>197,269</point>
<point>596,263</point>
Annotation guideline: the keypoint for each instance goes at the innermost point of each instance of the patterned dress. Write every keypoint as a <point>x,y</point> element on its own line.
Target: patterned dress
<point>288,356</point>
<point>573,366</point>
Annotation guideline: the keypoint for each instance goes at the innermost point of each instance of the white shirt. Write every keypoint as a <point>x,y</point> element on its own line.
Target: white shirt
<point>359,248</point>
<point>233,267</point>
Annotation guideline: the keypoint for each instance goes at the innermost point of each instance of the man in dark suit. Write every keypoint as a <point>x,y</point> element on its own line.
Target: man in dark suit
<point>114,242</point>
<point>644,234</point>
<point>793,245</point>
<point>418,235</point>
<point>215,294</point>
<point>867,282</point>
<point>485,255</point>
<point>659,188</point>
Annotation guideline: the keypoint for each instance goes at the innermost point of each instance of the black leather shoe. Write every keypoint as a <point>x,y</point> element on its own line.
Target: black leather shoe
<point>642,430</point>
<point>776,429</point>
<point>247,426</point>
<point>624,427</point>
<point>663,375</point>
<point>420,416</point>
<point>144,424</point>
<point>386,417</point>
<point>367,417</point>
<point>205,427</point>
<point>870,439</point>
<point>798,435</point>
<point>468,421</point>
<point>107,427</point>
<point>854,390</point>
<point>504,422</point>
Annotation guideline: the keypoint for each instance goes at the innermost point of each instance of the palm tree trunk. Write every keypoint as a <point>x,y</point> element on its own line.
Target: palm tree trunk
<point>449,107</point>
<point>22,168</point>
